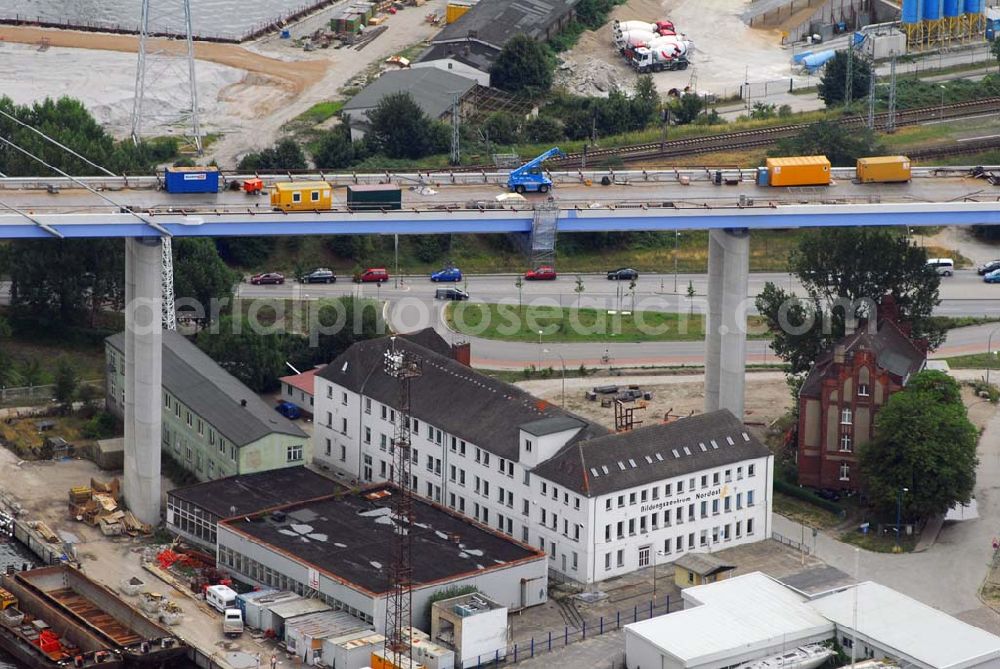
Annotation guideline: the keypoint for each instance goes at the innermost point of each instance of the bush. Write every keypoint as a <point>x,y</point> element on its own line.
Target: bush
<point>807,495</point>
<point>102,426</point>
<point>542,129</point>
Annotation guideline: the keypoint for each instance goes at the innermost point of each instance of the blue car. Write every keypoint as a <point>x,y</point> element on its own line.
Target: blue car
<point>447,274</point>
<point>289,410</point>
<point>992,277</point>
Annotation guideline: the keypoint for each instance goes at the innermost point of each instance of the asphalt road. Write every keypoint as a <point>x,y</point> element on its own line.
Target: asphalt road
<point>411,306</point>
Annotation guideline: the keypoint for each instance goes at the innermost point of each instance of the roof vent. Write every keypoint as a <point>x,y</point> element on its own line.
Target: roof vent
<point>243,403</point>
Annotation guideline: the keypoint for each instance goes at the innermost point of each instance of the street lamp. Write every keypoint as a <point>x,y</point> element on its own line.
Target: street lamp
<point>677,240</point>
<point>656,554</point>
<point>539,350</point>
<point>989,354</point>
<point>899,511</point>
<point>943,89</point>
<point>545,350</point>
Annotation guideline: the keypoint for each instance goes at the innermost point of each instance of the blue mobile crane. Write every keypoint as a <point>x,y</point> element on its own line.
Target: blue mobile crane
<point>530,177</point>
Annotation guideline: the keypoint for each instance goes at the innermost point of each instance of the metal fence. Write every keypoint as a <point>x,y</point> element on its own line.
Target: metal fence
<point>791,543</point>
<point>538,644</point>
<point>35,395</point>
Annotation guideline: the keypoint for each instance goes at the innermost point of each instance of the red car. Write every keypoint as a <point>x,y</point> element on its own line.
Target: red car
<point>543,273</point>
<point>267,277</point>
<point>372,275</point>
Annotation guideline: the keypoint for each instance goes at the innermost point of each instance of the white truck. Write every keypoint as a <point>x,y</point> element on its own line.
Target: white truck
<point>644,59</point>
<point>232,622</point>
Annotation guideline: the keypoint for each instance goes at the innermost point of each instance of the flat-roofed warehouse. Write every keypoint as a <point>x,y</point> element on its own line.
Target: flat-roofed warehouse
<point>193,512</point>
<point>340,549</point>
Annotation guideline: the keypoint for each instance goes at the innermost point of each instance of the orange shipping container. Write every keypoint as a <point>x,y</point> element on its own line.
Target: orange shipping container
<point>883,169</point>
<point>799,171</point>
<point>454,11</point>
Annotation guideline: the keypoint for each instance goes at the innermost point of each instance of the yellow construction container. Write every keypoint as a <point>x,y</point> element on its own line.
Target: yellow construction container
<point>302,196</point>
<point>798,171</point>
<point>7,599</point>
<point>883,169</point>
<point>455,10</point>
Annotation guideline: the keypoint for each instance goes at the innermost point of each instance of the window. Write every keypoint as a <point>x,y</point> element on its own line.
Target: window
<point>656,493</point>
<point>666,490</point>
<point>845,474</point>
<point>575,561</point>
<point>343,425</point>
<point>454,444</point>
<point>527,445</point>
<point>416,427</point>
<point>461,448</point>
<point>845,443</point>
<point>329,447</point>
<point>621,501</point>
<point>381,468</point>
<point>545,488</point>
<point>739,529</point>
<point>749,526</point>
<point>704,509</point>
<point>739,473</point>
<point>751,470</point>
<point>621,557</point>
<point>607,561</point>
<point>314,195</point>
<point>294,453</point>
<point>845,416</point>
<point>368,437</point>
<point>525,507</point>
<point>201,427</point>
<point>329,392</point>
<point>631,527</point>
<point>680,487</point>
<point>343,453</point>
<point>729,475</point>
<point>166,400</point>
<point>631,498</point>
<point>385,412</point>
<point>461,477</point>
<point>642,496</point>
<point>368,405</point>
<point>576,503</point>
<point>862,390</point>
<point>739,500</point>
<point>704,481</point>
<point>715,506</point>
<point>715,478</point>
<point>727,505</point>
<point>620,527</point>
<point>368,467</point>
<point>644,556</point>
<point>452,473</point>
<point>296,197</point>
<point>607,504</point>
<point>329,419</point>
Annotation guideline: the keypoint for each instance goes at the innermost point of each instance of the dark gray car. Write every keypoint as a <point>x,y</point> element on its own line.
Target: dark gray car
<point>623,274</point>
<point>319,275</point>
<point>450,294</point>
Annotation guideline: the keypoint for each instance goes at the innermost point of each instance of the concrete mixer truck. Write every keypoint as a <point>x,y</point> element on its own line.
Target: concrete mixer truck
<point>652,26</point>
<point>654,59</point>
<point>634,38</point>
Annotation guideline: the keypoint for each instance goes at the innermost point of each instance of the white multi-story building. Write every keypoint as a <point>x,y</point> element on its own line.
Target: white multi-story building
<point>599,504</point>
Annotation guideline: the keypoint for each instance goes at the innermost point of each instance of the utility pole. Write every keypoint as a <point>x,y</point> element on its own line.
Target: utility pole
<point>456,156</point>
<point>890,122</point>
<point>849,83</point>
<point>402,366</point>
<point>871,98</point>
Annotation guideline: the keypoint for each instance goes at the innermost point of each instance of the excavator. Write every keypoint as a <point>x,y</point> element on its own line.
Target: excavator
<point>529,178</point>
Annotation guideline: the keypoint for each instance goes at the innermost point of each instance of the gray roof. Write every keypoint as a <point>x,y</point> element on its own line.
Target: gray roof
<point>494,22</point>
<point>474,54</point>
<point>250,493</point>
<point>215,394</point>
<point>703,564</point>
<point>894,352</point>
<point>545,426</point>
<point>432,89</point>
<point>606,464</point>
<point>455,398</point>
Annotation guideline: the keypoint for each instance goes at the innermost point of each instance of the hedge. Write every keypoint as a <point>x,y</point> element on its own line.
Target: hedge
<point>807,495</point>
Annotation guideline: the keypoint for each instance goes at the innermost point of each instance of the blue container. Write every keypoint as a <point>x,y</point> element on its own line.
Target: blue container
<point>797,58</point>
<point>286,34</point>
<point>192,179</point>
<point>817,60</point>
<point>952,8</point>
<point>763,176</point>
<point>973,6</point>
<point>912,11</point>
<point>932,9</point>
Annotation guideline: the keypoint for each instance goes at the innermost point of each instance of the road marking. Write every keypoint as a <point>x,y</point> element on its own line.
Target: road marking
<point>961,118</point>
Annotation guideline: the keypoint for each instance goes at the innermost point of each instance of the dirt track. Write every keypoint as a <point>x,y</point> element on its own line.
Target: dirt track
<point>299,75</point>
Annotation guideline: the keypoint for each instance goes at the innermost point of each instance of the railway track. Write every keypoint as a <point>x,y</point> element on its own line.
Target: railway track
<point>750,139</point>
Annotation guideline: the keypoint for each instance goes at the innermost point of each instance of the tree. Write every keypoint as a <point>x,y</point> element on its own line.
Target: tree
<point>362,319</point>
<point>833,83</point>
<point>995,49</point>
<point>200,274</point>
<point>690,294</point>
<point>925,442</point>
<point>849,269</point>
<point>335,150</point>
<point>645,102</point>
<point>578,289</point>
<point>762,110</point>
<point>841,144</point>
<point>519,284</point>
<point>285,155</point>
<point>66,384</point>
<point>523,66</point>
<point>401,129</point>
<point>502,128</point>
<point>6,361</point>
<point>245,251</point>
<point>686,109</point>
<point>256,359</point>
<point>543,129</point>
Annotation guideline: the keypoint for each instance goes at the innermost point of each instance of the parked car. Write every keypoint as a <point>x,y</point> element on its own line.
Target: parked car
<point>267,277</point>
<point>372,275</point>
<point>319,275</point>
<point>943,266</point>
<point>623,274</point>
<point>289,410</point>
<point>447,274</point>
<point>992,277</point>
<point>988,267</point>
<point>232,622</point>
<point>450,294</point>
<point>543,273</point>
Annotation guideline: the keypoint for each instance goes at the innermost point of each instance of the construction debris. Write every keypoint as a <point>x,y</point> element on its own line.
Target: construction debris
<point>99,505</point>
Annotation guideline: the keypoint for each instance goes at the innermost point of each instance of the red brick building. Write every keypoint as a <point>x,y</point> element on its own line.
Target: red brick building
<point>842,395</point>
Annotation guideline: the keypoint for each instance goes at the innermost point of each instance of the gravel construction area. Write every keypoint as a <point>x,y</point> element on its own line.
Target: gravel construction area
<point>767,396</point>
<point>726,51</point>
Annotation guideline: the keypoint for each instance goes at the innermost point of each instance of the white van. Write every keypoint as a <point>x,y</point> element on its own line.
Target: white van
<point>232,622</point>
<point>944,266</point>
<point>221,597</point>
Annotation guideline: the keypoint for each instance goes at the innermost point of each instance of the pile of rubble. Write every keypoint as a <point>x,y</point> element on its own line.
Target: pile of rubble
<point>590,77</point>
<point>99,505</point>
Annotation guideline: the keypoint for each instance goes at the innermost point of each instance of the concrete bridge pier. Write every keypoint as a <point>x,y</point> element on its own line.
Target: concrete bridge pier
<point>143,342</point>
<point>726,336</point>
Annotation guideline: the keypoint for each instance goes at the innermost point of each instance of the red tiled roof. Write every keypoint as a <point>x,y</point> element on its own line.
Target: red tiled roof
<point>303,381</point>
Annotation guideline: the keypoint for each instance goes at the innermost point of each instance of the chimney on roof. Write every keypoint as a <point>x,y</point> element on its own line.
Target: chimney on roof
<point>462,352</point>
<point>838,354</point>
<point>243,403</point>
